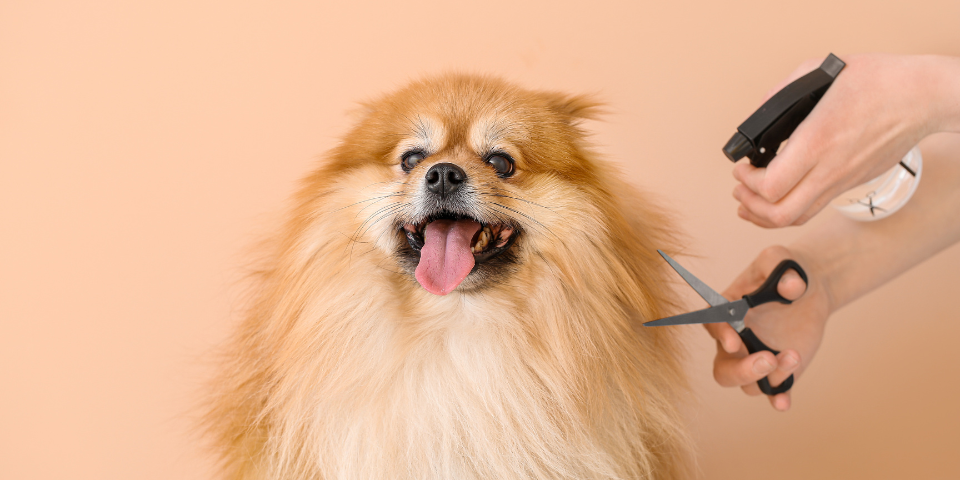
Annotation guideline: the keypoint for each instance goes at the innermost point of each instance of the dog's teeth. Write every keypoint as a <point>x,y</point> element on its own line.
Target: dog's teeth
<point>482,241</point>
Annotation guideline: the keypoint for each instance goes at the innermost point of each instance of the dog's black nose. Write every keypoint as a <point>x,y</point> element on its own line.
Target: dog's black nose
<point>445,179</point>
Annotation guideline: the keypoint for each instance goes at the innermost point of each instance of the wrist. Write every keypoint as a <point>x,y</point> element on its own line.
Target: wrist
<point>830,253</point>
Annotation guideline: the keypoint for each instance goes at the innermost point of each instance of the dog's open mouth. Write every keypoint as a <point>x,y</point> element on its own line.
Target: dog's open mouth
<point>450,246</point>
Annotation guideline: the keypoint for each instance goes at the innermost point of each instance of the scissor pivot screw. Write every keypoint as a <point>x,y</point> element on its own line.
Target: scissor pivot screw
<point>732,311</point>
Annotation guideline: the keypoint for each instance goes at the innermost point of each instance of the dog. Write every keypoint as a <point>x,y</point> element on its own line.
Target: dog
<point>457,294</point>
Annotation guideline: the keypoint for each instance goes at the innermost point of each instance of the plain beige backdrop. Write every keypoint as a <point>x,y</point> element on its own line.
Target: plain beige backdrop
<point>146,145</point>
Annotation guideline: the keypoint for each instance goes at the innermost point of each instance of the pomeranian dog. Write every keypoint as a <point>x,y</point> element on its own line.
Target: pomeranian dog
<point>457,294</point>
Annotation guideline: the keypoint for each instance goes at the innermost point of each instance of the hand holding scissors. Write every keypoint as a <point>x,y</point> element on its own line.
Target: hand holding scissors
<point>733,313</point>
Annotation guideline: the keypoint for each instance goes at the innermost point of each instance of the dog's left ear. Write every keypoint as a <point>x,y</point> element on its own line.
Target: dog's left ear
<point>574,107</point>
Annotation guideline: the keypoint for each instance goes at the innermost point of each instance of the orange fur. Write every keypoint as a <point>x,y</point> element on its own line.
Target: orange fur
<point>346,368</point>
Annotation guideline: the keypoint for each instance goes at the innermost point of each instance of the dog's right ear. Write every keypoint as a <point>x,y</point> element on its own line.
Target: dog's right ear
<point>574,107</point>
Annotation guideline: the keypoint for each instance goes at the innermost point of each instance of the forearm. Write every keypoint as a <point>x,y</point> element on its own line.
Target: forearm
<point>853,258</point>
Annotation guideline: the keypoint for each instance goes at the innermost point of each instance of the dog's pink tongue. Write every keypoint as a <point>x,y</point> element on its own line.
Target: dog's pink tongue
<point>446,259</point>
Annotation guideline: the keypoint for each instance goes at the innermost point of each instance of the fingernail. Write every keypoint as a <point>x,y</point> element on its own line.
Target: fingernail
<point>762,366</point>
<point>790,361</point>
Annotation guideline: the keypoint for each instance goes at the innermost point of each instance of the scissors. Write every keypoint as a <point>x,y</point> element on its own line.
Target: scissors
<point>723,310</point>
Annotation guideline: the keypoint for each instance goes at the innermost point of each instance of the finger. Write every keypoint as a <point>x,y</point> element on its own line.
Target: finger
<point>732,371</point>
<point>780,214</point>
<point>749,216</point>
<point>787,363</point>
<point>745,213</point>
<point>751,389</point>
<point>757,272</point>
<point>791,286</point>
<point>781,401</point>
<point>726,337</point>
<point>780,176</point>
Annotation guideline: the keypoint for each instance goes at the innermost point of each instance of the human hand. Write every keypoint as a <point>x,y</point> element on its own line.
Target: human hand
<point>795,330</point>
<point>878,108</point>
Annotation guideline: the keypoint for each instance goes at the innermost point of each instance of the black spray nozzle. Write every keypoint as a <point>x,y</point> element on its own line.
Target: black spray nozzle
<point>760,136</point>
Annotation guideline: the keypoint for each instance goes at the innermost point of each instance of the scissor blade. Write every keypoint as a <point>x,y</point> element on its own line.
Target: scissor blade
<point>730,312</point>
<point>708,294</point>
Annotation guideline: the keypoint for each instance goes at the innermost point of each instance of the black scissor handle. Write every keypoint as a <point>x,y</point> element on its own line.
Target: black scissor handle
<point>754,345</point>
<point>768,291</point>
<point>765,294</point>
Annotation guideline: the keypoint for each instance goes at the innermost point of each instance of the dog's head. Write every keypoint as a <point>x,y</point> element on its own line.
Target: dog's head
<point>464,180</point>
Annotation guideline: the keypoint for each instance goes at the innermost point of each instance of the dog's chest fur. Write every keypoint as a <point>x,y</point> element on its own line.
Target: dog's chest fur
<point>460,402</point>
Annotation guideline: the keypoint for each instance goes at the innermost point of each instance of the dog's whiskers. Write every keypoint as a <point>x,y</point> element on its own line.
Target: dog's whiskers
<point>395,182</point>
<point>373,219</point>
<point>374,203</point>
<point>517,198</point>
<point>547,229</point>
<point>376,216</point>
<point>370,200</point>
<point>499,192</point>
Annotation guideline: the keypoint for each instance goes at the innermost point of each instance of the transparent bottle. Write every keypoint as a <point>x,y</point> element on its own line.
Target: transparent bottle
<point>884,195</point>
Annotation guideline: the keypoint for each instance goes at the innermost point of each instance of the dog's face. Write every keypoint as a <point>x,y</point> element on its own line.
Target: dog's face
<point>461,179</point>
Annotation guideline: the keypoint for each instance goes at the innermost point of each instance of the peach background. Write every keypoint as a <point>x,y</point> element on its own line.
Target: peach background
<point>145,145</point>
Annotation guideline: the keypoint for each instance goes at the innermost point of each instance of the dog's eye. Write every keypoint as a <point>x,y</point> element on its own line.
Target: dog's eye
<point>411,159</point>
<point>501,162</point>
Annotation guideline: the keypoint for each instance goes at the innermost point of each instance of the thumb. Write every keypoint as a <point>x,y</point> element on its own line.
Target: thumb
<point>791,285</point>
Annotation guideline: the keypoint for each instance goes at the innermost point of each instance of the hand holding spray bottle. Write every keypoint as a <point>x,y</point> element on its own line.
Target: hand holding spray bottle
<point>763,134</point>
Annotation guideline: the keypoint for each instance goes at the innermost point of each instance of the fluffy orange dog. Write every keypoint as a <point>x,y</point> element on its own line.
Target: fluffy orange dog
<point>457,295</point>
